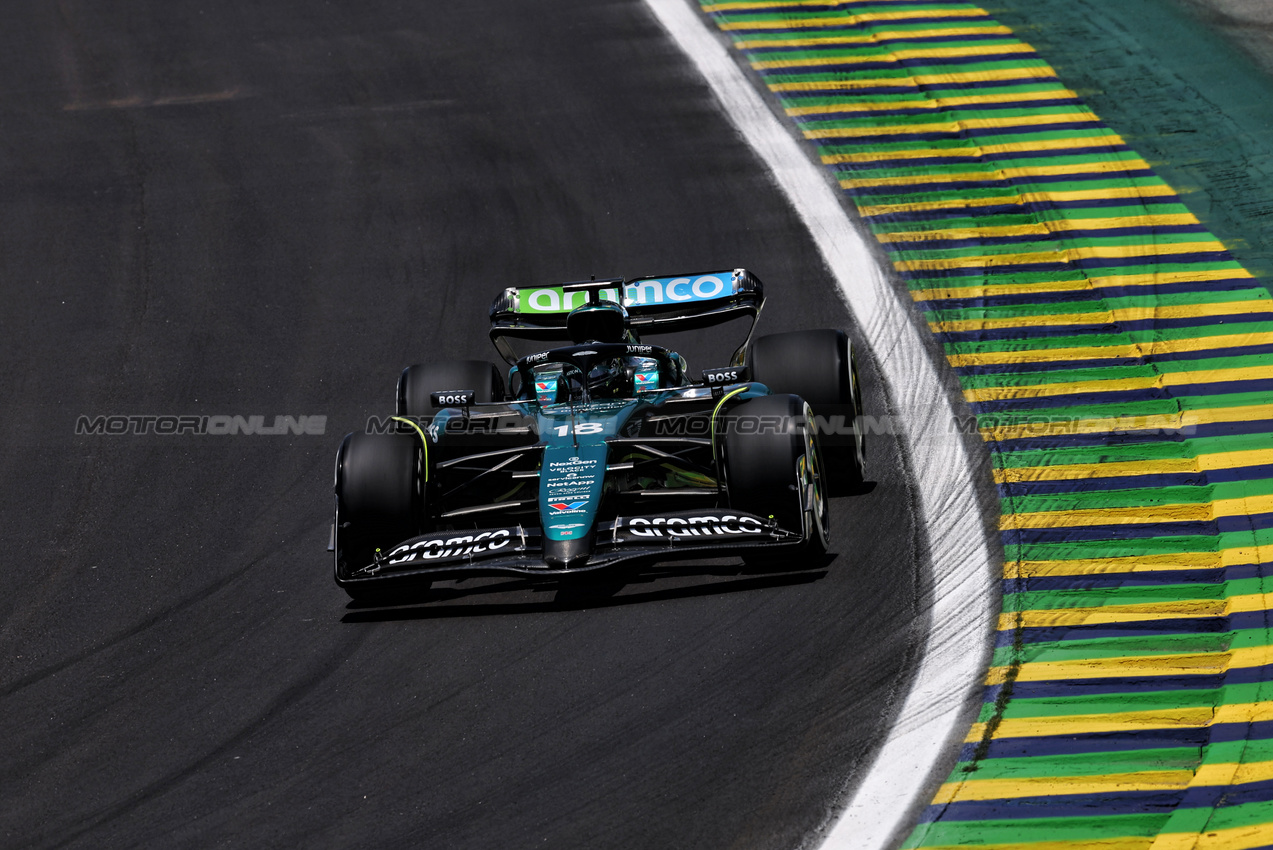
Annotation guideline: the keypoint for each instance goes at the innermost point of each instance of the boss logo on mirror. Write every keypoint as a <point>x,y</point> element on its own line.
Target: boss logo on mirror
<point>450,398</point>
<point>728,375</point>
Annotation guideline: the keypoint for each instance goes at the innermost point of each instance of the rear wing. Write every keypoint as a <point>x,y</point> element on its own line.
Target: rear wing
<point>664,304</point>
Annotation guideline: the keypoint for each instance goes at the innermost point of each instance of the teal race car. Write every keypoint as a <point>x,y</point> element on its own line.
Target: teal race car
<point>602,450</point>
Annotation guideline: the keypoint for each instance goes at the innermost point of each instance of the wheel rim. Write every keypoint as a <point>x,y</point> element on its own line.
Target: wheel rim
<point>859,437</point>
<point>809,469</point>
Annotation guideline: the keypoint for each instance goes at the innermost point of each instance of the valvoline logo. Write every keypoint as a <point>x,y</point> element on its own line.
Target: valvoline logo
<point>564,507</point>
<point>546,391</point>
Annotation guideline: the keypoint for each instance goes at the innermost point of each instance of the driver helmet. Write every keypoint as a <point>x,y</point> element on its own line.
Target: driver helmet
<point>603,321</point>
<point>608,379</point>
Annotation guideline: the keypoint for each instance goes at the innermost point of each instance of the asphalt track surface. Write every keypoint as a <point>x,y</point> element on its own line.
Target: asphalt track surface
<point>270,210</point>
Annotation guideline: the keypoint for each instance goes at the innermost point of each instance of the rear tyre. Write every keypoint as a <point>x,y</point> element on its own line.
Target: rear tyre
<point>418,382</point>
<point>773,468</point>
<point>820,367</point>
<point>380,499</point>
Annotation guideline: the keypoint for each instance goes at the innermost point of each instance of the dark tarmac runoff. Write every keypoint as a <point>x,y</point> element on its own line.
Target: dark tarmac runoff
<point>269,209</point>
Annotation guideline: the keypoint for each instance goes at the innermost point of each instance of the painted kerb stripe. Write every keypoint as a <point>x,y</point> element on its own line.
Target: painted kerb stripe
<point>1118,359</point>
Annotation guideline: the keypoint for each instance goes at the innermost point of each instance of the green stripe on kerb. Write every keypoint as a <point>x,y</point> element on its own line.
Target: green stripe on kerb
<point>1015,278</point>
<point>1143,302</point>
<point>1120,647</point>
<point>1182,495</point>
<point>1050,599</point>
<point>1166,544</point>
<point>1018,832</point>
<point>1037,219</point>
<point>1068,285</point>
<point>1134,453</point>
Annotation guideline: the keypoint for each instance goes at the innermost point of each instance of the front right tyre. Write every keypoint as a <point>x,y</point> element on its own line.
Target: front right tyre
<point>418,382</point>
<point>773,468</point>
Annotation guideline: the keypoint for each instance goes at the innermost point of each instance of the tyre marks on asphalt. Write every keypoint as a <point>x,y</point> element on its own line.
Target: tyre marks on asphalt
<point>962,594</point>
<point>1116,357</point>
<point>178,669</point>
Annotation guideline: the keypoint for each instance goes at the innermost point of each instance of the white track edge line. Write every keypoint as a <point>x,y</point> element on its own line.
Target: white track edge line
<point>964,568</point>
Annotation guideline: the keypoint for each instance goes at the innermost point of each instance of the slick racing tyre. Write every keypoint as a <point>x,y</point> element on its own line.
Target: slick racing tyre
<point>773,467</point>
<point>380,499</point>
<point>418,382</point>
<point>819,366</point>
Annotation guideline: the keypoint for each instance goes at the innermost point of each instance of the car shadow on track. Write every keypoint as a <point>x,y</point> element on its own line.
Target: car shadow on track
<point>585,592</point>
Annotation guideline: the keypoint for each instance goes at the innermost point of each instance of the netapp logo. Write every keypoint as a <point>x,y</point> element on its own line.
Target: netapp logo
<point>694,526</point>
<point>451,547</point>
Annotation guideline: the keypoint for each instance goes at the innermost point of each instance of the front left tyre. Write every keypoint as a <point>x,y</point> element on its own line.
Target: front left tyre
<point>380,501</point>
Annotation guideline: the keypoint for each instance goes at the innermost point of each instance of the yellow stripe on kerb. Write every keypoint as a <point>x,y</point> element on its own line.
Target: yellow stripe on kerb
<point>968,150</point>
<point>1112,783</point>
<point>1197,664</point>
<point>932,104</point>
<point>1117,166</point>
<point>917,80</point>
<point>952,126</point>
<point>842,20</point>
<point>891,56</point>
<point>743,6</point>
<point>1193,717</point>
<point>1020,198</point>
<point>1114,667</point>
<point>876,37</point>
<point>1135,612</point>
<point>1046,786</point>
<point>1233,838</point>
<point>766,5</point>
<point>1130,564</point>
<point>1120,516</point>
<point>1146,612</point>
<point>983,289</point>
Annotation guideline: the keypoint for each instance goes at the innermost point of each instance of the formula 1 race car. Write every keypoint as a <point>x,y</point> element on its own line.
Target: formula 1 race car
<point>603,451</point>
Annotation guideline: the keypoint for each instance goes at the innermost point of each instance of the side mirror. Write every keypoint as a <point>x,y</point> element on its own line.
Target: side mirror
<point>726,375</point>
<point>453,398</point>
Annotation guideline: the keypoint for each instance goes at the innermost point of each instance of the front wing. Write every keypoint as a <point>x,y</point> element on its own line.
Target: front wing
<point>517,550</point>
